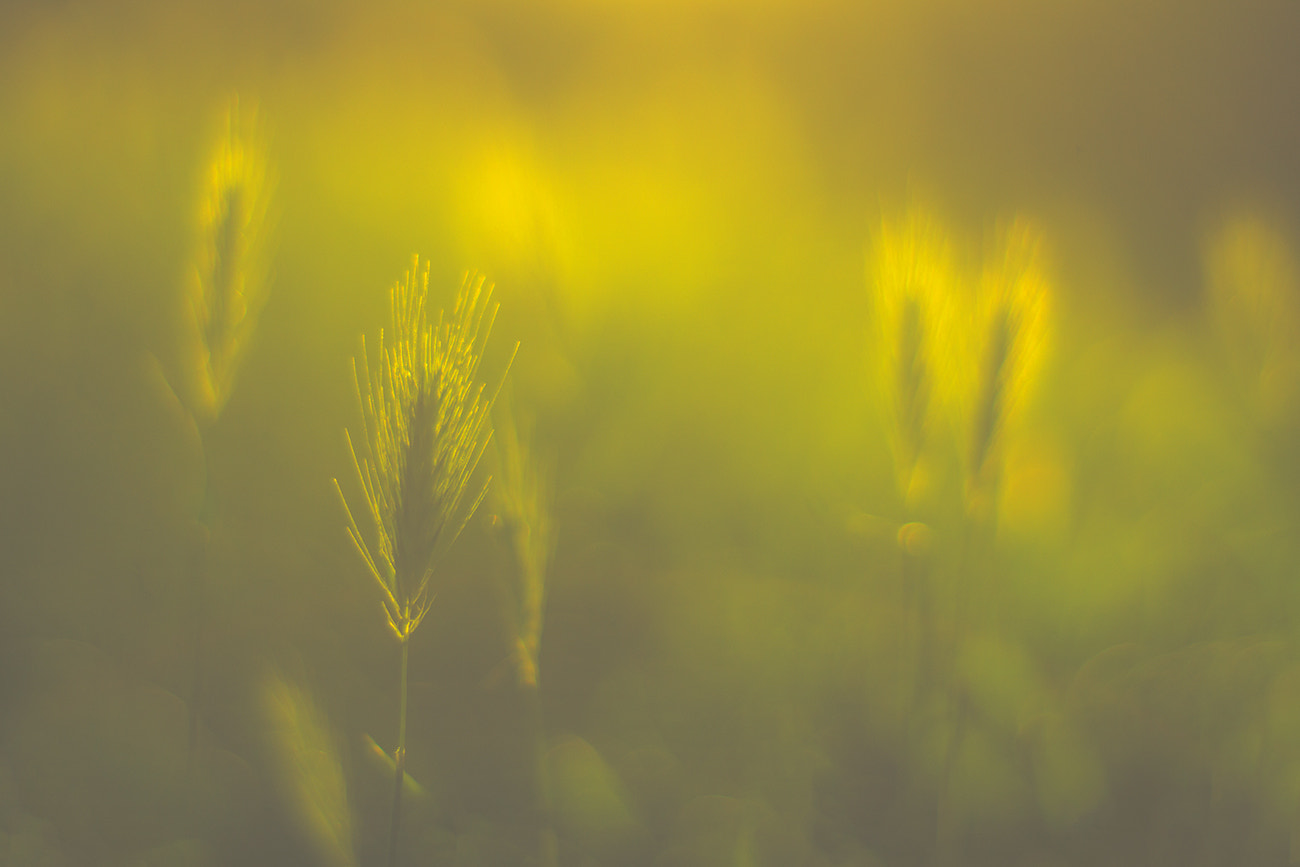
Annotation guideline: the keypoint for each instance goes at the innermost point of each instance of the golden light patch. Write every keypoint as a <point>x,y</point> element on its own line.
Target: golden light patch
<point>1036,488</point>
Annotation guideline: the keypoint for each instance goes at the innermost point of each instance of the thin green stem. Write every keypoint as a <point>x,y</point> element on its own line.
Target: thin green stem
<point>200,603</point>
<point>916,665</point>
<point>200,567</point>
<point>973,604</point>
<point>547,842</point>
<point>401,763</point>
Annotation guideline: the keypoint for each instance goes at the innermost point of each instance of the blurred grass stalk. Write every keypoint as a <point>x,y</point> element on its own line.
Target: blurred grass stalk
<point>1253,283</point>
<point>426,426</point>
<point>522,500</point>
<point>226,289</point>
<point>910,273</point>
<point>228,282</point>
<point>1010,330</point>
<point>1004,346</point>
<point>980,359</point>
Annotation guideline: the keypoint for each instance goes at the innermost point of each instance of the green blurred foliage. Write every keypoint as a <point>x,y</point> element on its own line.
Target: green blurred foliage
<point>758,649</point>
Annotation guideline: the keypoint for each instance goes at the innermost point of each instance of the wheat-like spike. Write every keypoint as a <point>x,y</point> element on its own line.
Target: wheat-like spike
<point>225,291</point>
<point>910,272</point>
<point>426,426</point>
<point>228,287</point>
<point>522,497</point>
<point>1011,332</point>
<point>425,418</point>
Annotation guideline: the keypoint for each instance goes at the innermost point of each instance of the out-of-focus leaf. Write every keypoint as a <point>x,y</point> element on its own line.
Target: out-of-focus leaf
<point>1001,678</point>
<point>1069,777</point>
<point>385,763</point>
<point>589,796</point>
<point>308,769</point>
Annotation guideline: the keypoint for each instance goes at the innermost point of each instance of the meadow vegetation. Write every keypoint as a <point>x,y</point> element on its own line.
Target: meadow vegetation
<point>858,474</point>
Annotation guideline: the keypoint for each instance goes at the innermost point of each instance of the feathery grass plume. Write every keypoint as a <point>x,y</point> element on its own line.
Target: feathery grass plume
<point>426,427</point>
<point>228,283</point>
<point>309,772</point>
<point>1010,335</point>
<point>522,500</point>
<point>910,272</point>
<point>1254,299</point>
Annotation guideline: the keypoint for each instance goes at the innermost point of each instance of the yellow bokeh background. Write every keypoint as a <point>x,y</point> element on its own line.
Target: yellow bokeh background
<point>915,386</point>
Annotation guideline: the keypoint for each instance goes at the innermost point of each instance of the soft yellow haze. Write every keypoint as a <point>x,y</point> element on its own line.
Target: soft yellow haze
<point>1036,490</point>
<point>909,473</point>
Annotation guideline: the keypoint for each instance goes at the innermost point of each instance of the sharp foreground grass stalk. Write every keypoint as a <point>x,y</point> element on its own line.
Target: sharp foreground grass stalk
<point>426,427</point>
<point>226,289</point>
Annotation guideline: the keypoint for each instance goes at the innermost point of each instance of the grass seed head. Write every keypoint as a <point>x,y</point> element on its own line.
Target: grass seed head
<point>910,272</point>
<point>1010,334</point>
<point>426,427</point>
<point>522,499</point>
<point>227,284</point>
